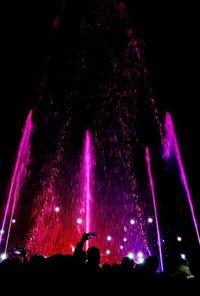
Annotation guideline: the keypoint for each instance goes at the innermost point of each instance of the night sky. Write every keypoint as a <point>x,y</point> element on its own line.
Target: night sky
<point>172,54</point>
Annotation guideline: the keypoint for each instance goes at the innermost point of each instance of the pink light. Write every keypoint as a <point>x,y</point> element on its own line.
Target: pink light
<point>88,174</point>
<point>171,144</point>
<point>148,162</point>
<point>17,173</point>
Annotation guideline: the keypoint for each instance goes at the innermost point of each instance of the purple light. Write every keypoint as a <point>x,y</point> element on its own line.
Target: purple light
<point>121,247</point>
<point>13,221</point>
<point>109,238</point>
<point>132,221</point>
<point>125,239</point>
<point>88,174</point>
<point>148,162</point>
<point>130,255</point>
<point>18,173</point>
<point>79,221</point>
<point>140,255</point>
<point>150,220</point>
<point>140,260</point>
<point>171,145</point>
<point>57,209</point>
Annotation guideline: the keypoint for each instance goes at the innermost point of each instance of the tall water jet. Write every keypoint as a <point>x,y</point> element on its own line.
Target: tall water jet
<point>17,177</point>
<point>170,146</point>
<point>95,70</point>
<point>87,169</point>
<point>151,182</point>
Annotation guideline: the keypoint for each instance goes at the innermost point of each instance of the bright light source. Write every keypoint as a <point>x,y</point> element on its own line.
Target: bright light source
<point>150,220</point>
<point>109,238</point>
<point>125,239</point>
<point>121,247</point>
<point>132,221</point>
<point>79,221</point>
<point>183,256</point>
<point>108,252</point>
<point>179,238</point>
<point>13,221</point>
<point>140,260</point>
<point>57,209</point>
<point>130,255</point>
<point>73,249</point>
<point>3,256</point>
<point>2,231</point>
<point>140,255</point>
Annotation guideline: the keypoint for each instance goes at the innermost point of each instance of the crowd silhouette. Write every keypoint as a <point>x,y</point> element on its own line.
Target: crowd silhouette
<point>177,271</point>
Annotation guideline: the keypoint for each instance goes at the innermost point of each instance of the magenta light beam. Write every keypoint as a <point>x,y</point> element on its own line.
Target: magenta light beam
<point>148,162</point>
<point>172,144</point>
<point>17,169</point>
<point>88,174</point>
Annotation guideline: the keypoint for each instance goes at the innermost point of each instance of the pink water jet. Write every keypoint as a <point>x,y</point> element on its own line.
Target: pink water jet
<point>87,170</point>
<point>151,182</point>
<point>17,176</point>
<point>171,146</point>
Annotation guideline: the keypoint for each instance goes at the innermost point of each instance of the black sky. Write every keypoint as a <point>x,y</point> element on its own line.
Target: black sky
<point>171,34</point>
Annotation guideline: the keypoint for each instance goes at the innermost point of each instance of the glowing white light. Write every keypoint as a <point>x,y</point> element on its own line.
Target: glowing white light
<point>13,221</point>
<point>73,249</point>
<point>150,220</point>
<point>183,256</point>
<point>79,221</point>
<point>121,247</point>
<point>179,238</point>
<point>132,221</point>
<point>109,238</point>
<point>57,209</point>
<point>2,231</point>
<point>130,255</point>
<point>108,252</point>
<point>140,255</point>
<point>125,239</point>
<point>140,260</point>
<point>3,256</point>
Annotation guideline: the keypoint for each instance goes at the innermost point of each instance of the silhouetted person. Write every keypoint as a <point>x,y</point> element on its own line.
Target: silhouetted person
<point>127,264</point>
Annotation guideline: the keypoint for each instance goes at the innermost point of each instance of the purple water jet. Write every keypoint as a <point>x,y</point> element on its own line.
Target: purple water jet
<point>170,145</point>
<point>148,162</point>
<point>87,169</point>
<point>17,176</point>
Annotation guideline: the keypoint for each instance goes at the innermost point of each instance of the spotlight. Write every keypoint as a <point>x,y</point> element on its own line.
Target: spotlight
<point>109,238</point>
<point>121,247</point>
<point>183,256</point>
<point>13,221</point>
<point>2,231</point>
<point>140,260</point>
<point>108,252</point>
<point>79,221</point>
<point>132,221</point>
<point>130,255</point>
<point>125,239</point>
<point>3,256</point>
<point>179,238</point>
<point>150,220</point>
<point>57,209</point>
<point>140,255</point>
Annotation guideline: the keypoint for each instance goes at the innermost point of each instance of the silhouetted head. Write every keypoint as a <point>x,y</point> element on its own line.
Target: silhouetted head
<point>127,264</point>
<point>93,256</point>
<point>151,264</point>
<point>37,262</point>
<point>106,267</point>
